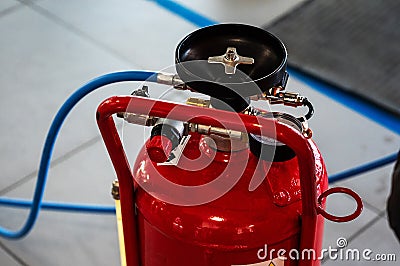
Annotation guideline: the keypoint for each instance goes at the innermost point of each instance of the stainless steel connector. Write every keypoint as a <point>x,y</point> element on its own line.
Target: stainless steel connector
<point>171,79</point>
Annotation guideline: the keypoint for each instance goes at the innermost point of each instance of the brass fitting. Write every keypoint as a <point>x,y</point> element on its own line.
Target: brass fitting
<point>115,190</point>
<point>198,102</point>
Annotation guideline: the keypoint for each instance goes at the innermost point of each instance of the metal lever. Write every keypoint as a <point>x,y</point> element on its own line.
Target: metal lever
<point>230,60</point>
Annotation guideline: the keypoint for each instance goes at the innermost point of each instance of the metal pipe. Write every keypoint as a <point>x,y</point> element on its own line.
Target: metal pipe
<point>216,118</point>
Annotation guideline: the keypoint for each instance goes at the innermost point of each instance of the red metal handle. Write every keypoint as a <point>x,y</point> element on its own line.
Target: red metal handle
<point>246,123</point>
<point>340,219</point>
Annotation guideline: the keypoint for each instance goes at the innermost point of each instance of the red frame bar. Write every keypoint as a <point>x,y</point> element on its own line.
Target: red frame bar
<point>250,124</point>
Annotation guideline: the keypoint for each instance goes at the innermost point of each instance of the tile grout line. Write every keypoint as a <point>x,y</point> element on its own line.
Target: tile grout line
<point>368,225</point>
<point>360,231</point>
<point>10,9</point>
<point>69,154</point>
<point>12,254</point>
<point>53,163</point>
<point>71,28</point>
<point>372,208</point>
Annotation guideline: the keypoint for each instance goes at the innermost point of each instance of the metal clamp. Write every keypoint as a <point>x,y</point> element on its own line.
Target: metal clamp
<point>278,95</point>
<point>139,119</point>
<point>287,98</point>
<point>171,79</point>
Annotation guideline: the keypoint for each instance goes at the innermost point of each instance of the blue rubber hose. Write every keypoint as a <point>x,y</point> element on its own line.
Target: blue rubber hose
<point>59,206</point>
<point>52,136</point>
<point>363,168</point>
<point>182,11</point>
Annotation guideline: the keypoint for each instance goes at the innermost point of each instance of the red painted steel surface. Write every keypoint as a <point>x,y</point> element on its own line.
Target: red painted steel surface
<point>229,230</point>
<point>209,233</point>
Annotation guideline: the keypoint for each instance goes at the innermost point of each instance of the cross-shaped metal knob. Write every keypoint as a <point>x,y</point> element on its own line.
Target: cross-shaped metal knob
<point>230,60</point>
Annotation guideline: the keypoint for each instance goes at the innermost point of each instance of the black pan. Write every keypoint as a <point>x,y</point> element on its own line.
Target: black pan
<point>268,69</point>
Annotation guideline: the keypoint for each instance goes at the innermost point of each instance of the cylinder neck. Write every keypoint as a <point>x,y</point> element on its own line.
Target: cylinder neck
<point>215,147</point>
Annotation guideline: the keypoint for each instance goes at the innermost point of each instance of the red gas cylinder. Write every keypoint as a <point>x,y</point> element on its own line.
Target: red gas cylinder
<point>219,182</point>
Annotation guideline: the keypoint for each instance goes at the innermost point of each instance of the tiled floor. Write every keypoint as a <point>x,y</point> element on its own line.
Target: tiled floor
<point>49,48</point>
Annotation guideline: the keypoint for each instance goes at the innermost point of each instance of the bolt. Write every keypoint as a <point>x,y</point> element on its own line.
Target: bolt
<point>115,190</point>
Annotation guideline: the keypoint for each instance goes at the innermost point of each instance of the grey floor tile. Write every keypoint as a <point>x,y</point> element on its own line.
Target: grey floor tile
<point>379,239</point>
<point>65,239</point>
<point>83,178</point>
<point>6,259</point>
<point>138,31</point>
<point>6,4</point>
<point>373,187</point>
<point>257,12</point>
<point>342,205</point>
<point>36,79</point>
